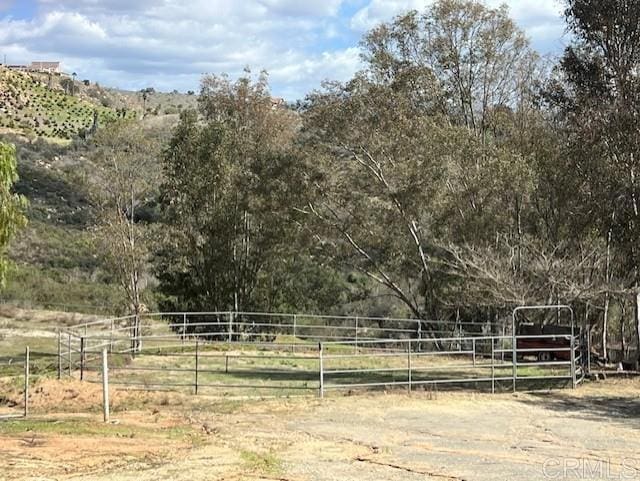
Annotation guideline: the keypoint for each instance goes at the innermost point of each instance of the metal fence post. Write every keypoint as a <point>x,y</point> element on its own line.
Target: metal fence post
<point>514,353</point>
<point>196,379</point>
<point>82,358</point>
<point>473,345</point>
<point>69,353</point>
<point>356,335</point>
<point>26,382</point>
<point>409,366</point>
<point>105,386</point>
<point>230,325</point>
<point>419,335</point>
<point>184,327</point>
<point>573,362</point>
<point>59,355</point>
<point>493,369</point>
<point>321,369</point>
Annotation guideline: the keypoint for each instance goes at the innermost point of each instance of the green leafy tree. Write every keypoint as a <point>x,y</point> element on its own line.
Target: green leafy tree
<point>419,151</point>
<point>598,100</point>
<point>230,187</point>
<point>12,206</point>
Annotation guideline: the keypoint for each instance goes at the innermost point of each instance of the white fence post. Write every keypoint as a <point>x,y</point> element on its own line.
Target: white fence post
<point>321,369</point>
<point>26,382</point>
<point>514,349</point>
<point>295,326</point>
<point>184,327</point>
<point>356,335</point>
<point>295,323</point>
<point>230,325</point>
<point>105,386</point>
<point>573,362</point>
<point>493,368</point>
<point>59,355</point>
<point>473,345</point>
<point>409,366</point>
<point>69,353</point>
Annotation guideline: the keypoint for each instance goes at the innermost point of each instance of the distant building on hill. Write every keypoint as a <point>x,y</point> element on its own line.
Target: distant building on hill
<point>42,67</point>
<point>19,68</point>
<point>48,67</point>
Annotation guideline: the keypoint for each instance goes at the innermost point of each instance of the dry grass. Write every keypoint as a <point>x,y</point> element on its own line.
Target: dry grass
<point>395,437</point>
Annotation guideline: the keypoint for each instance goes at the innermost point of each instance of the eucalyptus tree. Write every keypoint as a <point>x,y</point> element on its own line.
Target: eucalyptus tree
<point>12,205</point>
<point>124,179</point>
<point>599,98</point>
<point>230,184</point>
<point>418,151</point>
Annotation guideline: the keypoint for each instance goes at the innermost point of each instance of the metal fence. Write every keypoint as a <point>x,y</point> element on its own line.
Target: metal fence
<point>270,328</point>
<point>226,368</point>
<point>478,362</point>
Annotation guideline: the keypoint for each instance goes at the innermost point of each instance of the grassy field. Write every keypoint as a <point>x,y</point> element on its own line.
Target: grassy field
<point>288,366</point>
<point>294,369</point>
<point>223,434</point>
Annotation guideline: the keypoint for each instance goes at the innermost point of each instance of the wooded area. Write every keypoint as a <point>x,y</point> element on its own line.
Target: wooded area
<point>457,175</point>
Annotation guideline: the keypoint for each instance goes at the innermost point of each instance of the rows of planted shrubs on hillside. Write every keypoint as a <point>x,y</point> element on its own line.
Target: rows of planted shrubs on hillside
<point>32,107</point>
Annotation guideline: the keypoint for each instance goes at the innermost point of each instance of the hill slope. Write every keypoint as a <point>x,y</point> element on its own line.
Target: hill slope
<point>30,107</point>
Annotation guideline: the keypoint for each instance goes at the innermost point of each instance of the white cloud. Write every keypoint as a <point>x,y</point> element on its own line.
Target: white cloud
<point>541,19</point>
<point>378,11</point>
<point>171,43</point>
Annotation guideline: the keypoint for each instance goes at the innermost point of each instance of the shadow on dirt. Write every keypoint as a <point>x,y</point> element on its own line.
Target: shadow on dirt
<point>590,407</point>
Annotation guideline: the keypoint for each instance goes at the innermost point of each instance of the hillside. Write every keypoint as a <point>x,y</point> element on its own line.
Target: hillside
<point>39,106</point>
<point>30,107</point>
<point>55,263</point>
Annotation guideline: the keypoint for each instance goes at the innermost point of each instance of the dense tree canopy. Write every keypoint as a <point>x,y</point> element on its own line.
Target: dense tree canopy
<point>457,171</point>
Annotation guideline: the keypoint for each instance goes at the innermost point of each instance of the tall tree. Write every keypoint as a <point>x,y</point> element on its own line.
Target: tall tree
<point>125,174</point>
<point>230,184</point>
<point>11,205</point>
<point>419,150</point>
<point>600,99</point>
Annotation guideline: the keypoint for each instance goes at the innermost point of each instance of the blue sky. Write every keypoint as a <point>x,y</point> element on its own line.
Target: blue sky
<point>169,44</point>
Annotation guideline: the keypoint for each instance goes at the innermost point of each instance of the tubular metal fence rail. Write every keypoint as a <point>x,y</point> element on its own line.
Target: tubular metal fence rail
<point>270,328</point>
<point>489,360</point>
<point>225,353</point>
<point>200,364</point>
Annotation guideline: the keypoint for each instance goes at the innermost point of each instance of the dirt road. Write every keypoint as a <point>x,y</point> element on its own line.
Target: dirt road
<point>590,433</point>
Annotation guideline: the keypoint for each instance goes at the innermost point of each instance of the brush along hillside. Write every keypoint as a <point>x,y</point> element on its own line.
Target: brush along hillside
<point>54,261</point>
<point>29,105</point>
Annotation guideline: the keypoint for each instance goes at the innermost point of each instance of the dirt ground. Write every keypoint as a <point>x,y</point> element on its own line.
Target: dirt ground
<point>589,433</point>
